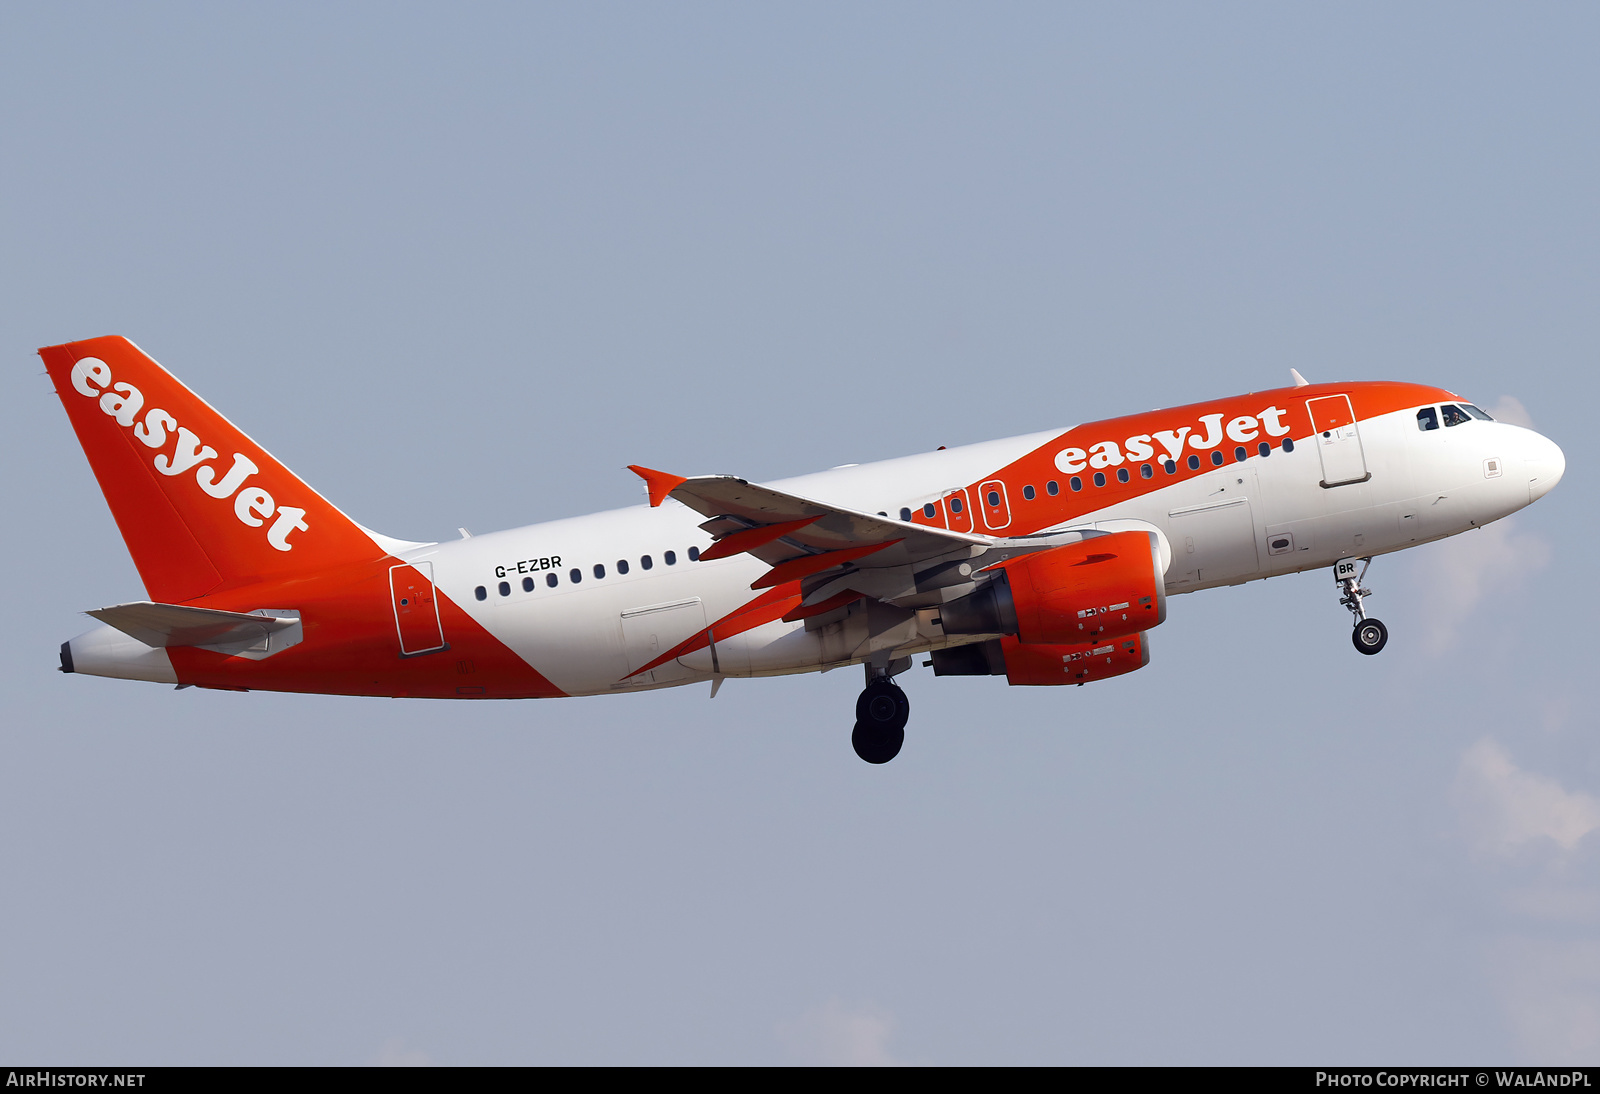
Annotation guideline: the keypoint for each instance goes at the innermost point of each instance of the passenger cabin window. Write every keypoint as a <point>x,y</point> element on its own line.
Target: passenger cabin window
<point>599,571</point>
<point>505,588</point>
<point>1146,471</point>
<point>1122,474</point>
<point>1194,463</point>
<point>1216,458</point>
<point>694,554</point>
<point>622,565</point>
<point>955,505</point>
<point>1239,454</point>
<point>1074,482</point>
<point>1027,493</point>
<point>1288,444</point>
<point>551,580</point>
<point>1427,418</point>
<point>928,510</point>
<point>1453,415</point>
<point>993,498</point>
<point>1099,478</point>
<point>669,557</point>
<point>481,593</point>
<point>1052,488</point>
<point>645,563</point>
<point>1264,448</point>
<point>527,584</point>
<point>575,575</point>
<point>1170,467</point>
<point>905,514</point>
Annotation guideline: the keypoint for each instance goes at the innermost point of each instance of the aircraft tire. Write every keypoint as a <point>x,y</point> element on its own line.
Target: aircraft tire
<point>877,744</point>
<point>884,705</point>
<point>1370,636</point>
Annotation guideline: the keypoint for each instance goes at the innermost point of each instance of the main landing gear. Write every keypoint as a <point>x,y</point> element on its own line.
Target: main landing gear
<point>881,714</point>
<point>1369,635</point>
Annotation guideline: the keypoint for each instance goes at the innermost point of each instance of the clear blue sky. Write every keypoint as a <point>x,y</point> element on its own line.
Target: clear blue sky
<point>459,264</point>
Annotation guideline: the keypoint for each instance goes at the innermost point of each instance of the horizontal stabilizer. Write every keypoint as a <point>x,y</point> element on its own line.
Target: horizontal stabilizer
<point>160,625</point>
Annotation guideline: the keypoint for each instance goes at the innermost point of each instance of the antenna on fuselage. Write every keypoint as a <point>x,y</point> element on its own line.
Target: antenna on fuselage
<point>1299,380</point>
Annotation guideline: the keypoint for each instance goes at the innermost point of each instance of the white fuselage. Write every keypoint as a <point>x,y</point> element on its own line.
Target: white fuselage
<point>1266,516</point>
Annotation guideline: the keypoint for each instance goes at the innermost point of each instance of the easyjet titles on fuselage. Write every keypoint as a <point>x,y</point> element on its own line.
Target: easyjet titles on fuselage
<point>1141,446</point>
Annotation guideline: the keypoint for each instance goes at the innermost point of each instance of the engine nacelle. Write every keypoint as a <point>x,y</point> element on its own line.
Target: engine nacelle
<point>1034,664</point>
<point>1101,587</point>
<point>1031,664</point>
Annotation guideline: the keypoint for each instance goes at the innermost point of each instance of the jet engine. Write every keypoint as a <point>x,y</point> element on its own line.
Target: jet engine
<point>1035,664</point>
<point>1098,588</point>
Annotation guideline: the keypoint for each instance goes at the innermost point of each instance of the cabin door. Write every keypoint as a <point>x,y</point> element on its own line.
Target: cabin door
<point>1338,441</point>
<point>416,611</point>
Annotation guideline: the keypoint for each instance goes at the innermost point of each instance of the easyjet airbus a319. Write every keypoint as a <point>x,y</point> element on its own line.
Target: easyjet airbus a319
<point>1046,559</point>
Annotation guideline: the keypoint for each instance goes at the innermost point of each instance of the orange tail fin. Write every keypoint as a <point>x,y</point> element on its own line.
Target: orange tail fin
<point>201,506</point>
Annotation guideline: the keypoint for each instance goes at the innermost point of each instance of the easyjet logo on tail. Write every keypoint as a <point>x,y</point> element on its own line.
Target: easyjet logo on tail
<point>91,377</point>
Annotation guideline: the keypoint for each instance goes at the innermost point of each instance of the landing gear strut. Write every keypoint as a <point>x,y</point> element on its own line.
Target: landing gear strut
<point>881,714</point>
<point>1369,635</point>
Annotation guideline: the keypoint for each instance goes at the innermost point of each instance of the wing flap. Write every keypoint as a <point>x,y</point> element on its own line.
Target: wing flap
<point>748,539</point>
<point>805,565</point>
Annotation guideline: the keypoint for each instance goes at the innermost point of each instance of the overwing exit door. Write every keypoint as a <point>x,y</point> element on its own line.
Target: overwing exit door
<point>996,506</point>
<point>1338,441</point>
<point>958,513</point>
<point>416,611</point>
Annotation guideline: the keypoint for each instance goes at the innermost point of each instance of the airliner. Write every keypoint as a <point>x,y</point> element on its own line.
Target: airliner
<point>1046,559</point>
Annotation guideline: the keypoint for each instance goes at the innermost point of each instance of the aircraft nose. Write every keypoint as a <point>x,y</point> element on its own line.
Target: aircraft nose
<point>1546,464</point>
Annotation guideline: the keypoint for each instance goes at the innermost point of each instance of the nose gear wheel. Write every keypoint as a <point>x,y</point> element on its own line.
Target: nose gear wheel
<point>1369,635</point>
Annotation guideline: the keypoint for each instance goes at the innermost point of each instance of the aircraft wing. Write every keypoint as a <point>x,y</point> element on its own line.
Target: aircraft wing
<point>800,537</point>
<point>159,625</point>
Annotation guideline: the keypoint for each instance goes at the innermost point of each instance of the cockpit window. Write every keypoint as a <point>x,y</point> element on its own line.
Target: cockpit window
<point>1453,415</point>
<point>1476,413</point>
<point>1427,418</point>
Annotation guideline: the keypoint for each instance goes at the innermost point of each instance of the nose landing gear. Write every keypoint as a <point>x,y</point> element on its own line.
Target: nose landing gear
<point>881,714</point>
<point>1369,635</point>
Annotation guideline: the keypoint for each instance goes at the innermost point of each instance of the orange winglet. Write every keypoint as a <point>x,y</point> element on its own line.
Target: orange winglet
<point>806,565</point>
<point>751,538</point>
<point>659,483</point>
<point>849,596</point>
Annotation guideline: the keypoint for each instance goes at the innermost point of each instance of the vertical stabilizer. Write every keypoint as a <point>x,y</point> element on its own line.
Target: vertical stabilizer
<point>200,505</point>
